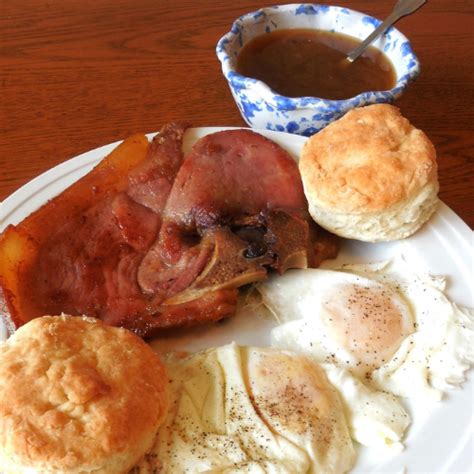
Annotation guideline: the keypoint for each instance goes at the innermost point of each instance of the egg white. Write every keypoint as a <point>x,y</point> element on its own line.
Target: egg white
<point>376,418</point>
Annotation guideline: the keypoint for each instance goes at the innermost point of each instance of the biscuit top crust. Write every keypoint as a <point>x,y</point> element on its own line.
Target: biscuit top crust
<point>367,161</point>
<point>75,392</point>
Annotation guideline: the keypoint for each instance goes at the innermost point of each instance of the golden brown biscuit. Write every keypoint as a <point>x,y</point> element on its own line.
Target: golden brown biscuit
<point>370,175</point>
<point>77,396</point>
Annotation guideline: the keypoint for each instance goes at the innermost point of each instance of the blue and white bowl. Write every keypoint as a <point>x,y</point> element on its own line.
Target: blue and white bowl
<point>261,107</point>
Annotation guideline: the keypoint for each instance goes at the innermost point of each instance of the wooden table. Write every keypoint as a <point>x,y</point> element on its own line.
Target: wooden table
<point>78,74</point>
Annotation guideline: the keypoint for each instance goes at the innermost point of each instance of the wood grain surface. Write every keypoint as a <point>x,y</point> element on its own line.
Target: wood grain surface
<point>77,74</point>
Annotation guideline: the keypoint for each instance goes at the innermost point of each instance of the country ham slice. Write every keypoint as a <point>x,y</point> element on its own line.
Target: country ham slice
<point>150,242</point>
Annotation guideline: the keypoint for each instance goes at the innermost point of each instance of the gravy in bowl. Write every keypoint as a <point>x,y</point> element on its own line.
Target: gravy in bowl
<point>311,63</point>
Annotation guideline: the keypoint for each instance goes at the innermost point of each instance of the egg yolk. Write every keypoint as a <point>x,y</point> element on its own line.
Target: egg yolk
<point>369,321</point>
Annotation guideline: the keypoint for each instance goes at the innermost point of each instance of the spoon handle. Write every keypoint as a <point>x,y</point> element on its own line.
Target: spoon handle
<point>402,8</point>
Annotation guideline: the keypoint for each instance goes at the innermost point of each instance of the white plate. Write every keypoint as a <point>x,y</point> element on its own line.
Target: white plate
<point>441,437</point>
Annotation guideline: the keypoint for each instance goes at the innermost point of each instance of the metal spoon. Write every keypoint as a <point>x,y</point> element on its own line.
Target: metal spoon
<point>402,8</point>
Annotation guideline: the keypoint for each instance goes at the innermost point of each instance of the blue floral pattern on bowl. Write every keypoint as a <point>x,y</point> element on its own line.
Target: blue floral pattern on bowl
<point>261,107</point>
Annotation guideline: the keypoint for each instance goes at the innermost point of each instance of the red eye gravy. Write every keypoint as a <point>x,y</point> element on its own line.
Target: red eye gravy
<point>305,62</point>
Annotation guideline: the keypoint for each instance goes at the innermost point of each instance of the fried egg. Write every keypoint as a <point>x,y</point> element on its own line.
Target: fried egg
<point>375,328</point>
<point>435,357</point>
<point>352,321</point>
<point>246,409</point>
